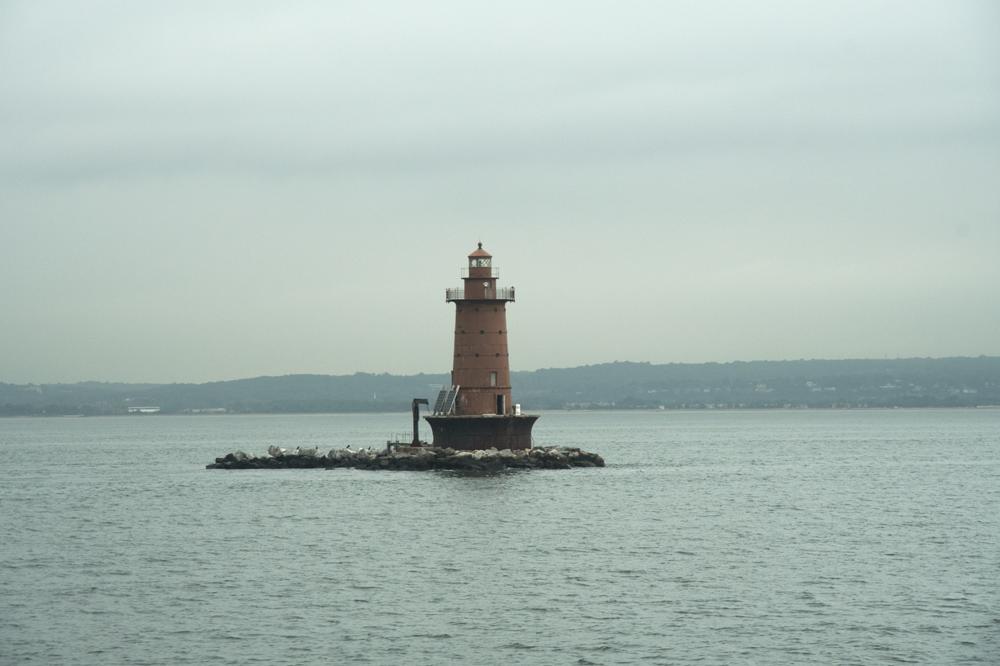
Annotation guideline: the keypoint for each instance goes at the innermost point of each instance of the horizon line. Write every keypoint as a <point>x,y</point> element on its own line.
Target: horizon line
<point>585,365</point>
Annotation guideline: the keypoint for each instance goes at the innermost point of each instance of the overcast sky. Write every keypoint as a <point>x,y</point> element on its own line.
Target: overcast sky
<point>204,190</point>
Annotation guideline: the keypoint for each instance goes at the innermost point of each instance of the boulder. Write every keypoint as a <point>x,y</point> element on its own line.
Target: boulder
<point>413,458</point>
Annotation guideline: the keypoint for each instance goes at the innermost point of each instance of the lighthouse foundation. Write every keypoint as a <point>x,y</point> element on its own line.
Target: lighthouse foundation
<point>470,433</point>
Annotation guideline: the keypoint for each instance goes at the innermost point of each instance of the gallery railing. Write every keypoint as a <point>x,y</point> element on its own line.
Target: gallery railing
<point>493,271</point>
<point>501,294</point>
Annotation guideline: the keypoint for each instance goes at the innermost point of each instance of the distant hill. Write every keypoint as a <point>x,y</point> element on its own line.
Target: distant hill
<point>913,382</point>
<point>360,392</point>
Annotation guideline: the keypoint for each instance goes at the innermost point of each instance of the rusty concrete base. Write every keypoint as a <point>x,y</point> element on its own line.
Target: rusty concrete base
<point>469,433</point>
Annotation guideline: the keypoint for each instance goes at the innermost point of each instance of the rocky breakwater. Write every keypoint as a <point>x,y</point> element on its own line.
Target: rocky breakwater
<point>412,458</point>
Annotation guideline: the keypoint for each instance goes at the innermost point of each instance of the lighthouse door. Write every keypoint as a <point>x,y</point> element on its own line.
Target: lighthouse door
<point>501,404</point>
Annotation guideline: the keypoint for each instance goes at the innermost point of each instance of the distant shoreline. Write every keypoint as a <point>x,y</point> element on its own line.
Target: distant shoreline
<point>602,410</point>
<point>960,382</point>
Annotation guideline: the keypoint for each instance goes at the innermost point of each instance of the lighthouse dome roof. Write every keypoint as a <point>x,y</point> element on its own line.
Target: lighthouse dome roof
<point>480,252</point>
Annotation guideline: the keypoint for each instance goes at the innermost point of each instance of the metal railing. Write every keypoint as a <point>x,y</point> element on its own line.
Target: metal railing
<point>494,271</point>
<point>501,294</point>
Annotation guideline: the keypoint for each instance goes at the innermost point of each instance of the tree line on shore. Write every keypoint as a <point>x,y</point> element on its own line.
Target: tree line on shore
<point>914,382</point>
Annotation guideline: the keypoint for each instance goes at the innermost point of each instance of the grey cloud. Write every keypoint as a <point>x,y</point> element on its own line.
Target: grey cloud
<point>722,180</point>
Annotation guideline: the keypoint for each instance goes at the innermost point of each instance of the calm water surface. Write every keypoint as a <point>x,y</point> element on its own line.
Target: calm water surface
<point>767,537</point>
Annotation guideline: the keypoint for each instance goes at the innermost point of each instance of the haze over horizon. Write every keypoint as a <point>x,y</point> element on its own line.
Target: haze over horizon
<point>222,380</point>
<point>200,191</point>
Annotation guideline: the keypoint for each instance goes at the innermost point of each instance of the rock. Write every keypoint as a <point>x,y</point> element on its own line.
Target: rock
<point>413,458</point>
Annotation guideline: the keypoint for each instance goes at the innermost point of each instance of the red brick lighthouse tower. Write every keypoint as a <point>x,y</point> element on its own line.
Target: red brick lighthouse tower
<point>477,411</point>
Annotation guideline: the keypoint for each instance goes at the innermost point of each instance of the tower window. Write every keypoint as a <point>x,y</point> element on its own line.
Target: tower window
<point>493,379</point>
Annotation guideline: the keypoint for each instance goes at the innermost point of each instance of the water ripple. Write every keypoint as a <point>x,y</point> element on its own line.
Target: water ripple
<point>779,538</point>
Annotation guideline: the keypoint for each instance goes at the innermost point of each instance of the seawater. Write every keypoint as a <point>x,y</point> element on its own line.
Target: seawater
<point>767,537</point>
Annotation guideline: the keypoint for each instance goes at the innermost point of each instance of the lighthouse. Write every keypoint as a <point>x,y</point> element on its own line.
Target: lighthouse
<point>476,411</point>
